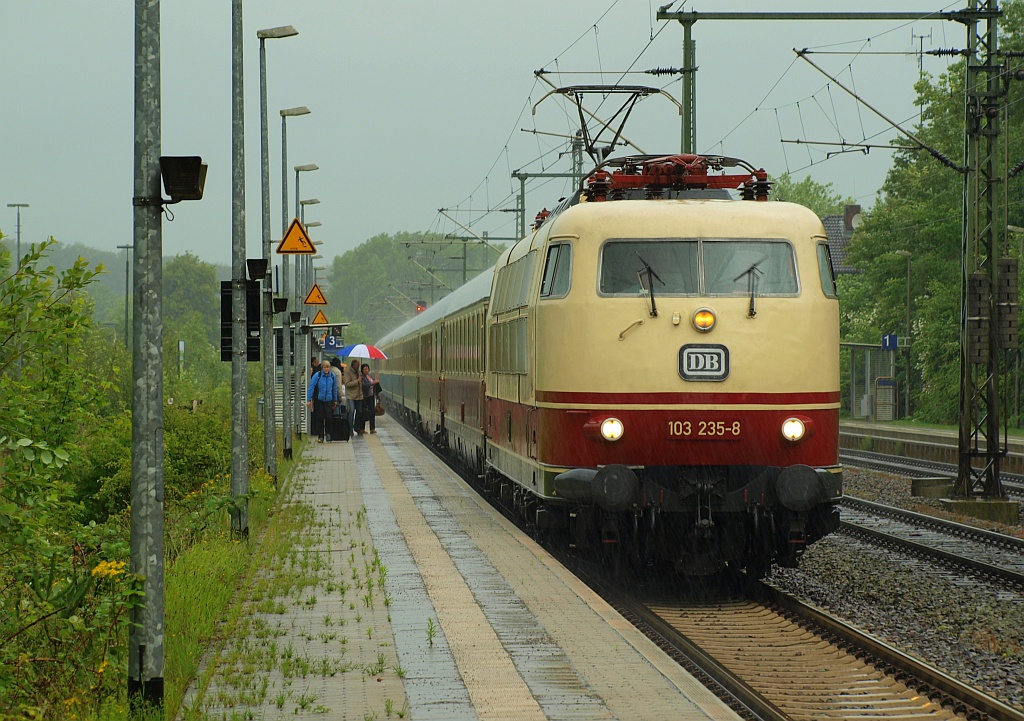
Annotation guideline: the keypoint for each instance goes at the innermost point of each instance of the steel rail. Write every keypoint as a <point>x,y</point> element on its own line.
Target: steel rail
<point>955,690</point>
<point>960,529</point>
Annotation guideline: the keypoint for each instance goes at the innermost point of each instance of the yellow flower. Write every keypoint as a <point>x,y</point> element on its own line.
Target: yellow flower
<point>109,569</point>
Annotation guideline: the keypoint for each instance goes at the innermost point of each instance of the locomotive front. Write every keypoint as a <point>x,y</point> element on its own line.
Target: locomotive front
<point>687,379</point>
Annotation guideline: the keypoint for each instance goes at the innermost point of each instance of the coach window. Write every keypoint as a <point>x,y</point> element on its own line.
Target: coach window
<point>557,271</point>
<point>825,270</point>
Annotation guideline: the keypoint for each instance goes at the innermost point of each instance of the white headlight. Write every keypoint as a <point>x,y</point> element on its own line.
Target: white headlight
<point>793,429</point>
<point>611,429</point>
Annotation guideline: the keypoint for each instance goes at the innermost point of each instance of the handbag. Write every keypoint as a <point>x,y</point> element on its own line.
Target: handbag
<point>379,409</point>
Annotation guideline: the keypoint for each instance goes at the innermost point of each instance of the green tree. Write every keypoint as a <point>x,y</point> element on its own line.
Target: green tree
<point>920,210</point>
<point>56,610</point>
<point>820,198</point>
<point>377,285</point>
<point>191,290</point>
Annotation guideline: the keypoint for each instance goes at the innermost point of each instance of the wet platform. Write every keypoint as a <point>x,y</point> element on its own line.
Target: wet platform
<point>421,601</point>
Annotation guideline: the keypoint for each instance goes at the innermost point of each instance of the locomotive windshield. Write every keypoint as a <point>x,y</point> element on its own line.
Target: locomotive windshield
<point>699,267</point>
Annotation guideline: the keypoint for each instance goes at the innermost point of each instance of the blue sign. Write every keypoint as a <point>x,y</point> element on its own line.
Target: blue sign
<point>889,341</point>
<point>332,343</point>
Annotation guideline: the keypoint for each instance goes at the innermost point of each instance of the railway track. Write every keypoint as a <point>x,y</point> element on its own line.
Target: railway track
<point>773,657</point>
<point>995,556</point>
<point>786,660</point>
<point>1012,483</point>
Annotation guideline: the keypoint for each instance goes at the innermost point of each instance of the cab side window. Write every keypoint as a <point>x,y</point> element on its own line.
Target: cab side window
<point>825,270</point>
<point>557,271</point>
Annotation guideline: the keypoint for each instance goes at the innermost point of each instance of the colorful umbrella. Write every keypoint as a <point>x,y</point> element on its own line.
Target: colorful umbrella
<point>361,350</point>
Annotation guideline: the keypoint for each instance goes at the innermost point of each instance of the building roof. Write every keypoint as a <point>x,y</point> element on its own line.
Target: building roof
<point>839,230</point>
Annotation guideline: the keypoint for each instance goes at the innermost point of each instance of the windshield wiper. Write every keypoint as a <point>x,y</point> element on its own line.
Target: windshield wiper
<point>752,272</point>
<point>651,277</point>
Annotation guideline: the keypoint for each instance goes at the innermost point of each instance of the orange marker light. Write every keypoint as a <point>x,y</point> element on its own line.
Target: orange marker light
<point>704,319</point>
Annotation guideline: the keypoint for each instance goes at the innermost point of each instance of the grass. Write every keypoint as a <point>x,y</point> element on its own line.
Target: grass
<point>286,572</point>
<point>200,587</point>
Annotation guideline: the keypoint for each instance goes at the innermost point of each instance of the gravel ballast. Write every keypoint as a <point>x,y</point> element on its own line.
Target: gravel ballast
<point>962,625</point>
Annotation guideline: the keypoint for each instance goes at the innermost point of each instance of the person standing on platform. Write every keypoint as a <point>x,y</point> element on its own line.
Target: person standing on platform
<point>338,370</point>
<point>367,382</point>
<point>322,397</point>
<point>354,391</point>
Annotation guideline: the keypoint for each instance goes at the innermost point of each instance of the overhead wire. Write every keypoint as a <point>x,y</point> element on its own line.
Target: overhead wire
<point>571,120</point>
<point>541,154</point>
<point>863,43</point>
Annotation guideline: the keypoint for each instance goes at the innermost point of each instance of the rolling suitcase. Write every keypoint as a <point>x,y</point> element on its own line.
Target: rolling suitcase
<point>340,429</point>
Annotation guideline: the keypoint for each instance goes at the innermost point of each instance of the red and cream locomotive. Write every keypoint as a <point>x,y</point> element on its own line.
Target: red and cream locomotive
<point>654,369</point>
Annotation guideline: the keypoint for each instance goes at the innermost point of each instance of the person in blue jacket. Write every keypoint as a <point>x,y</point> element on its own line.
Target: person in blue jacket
<point>322,397</point>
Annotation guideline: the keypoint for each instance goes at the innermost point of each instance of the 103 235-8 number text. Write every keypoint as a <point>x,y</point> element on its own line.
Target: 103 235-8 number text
<point>705,430</point>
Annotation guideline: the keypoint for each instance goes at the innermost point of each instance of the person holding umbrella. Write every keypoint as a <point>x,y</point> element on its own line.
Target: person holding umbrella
<point>354,393</point>
<point>353,382</point>
<point>369,407</point>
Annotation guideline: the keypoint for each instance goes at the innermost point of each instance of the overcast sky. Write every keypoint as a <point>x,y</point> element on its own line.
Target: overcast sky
<point>418,106</point>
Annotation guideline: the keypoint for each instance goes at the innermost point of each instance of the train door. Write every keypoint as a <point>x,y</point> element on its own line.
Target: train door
<point>422,365</point>
<point>531,432</point>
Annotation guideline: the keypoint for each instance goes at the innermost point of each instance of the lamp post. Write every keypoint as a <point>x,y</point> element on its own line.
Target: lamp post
<point>126,248</point>
<point>305,275</point>
<point>239,356</point>
<point>146,618</point>
<point>906,348</point>
<point>267,318</point>
<point>310,279</point>
<point>298,408</point>
<point>288,336</point>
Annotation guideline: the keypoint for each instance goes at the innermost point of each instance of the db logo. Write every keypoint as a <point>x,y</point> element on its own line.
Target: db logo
<point>704,362</point>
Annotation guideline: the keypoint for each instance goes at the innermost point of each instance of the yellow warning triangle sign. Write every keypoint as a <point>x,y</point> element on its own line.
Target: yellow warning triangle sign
<point>315,297</point>
<point>320,318</point>
<point>296,241</point>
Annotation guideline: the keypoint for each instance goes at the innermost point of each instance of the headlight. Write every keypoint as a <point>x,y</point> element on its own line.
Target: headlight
<point>611,429</point>
<point>793,429</point>
<point>704,319</point>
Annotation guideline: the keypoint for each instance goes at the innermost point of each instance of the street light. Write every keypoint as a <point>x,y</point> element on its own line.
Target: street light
<point>307,168</point>
<point>303,204</point>
<point>287,334</point>
<point>267,319</point>
<point>307,275</point>
<point>310,276</point>
<point>299,407</point>
<point>906,348</point>
<point>282,31</point>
